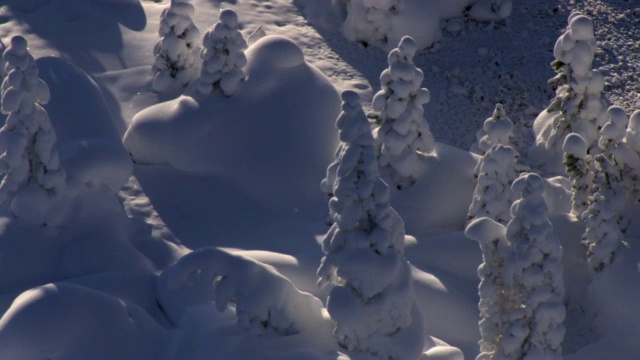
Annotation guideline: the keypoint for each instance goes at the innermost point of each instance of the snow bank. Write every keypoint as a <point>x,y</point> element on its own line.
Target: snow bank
<point>279,122</point>
<point>89,145</point>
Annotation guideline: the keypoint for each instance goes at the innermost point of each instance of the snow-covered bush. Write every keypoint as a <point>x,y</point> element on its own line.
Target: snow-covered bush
<point>222,56</point>
<point>496,297</point>
<point>578,106</point>
<point>371,299</point>
<point>404,133</point>
<point>578,165</point>
<point>493,196</point>
<point>534,272</point>
<point>605,221</point>
<point>264,300</point>
<point>33,179</point>
<point>498,129</point>
<point>175,54</point>
<point>491,10</point>
<point>369,21</point>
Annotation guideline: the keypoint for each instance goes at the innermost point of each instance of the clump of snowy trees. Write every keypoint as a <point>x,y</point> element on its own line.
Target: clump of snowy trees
<point>521,287</point>
<point>223,56</point>
<point>176,52</point>
<point>404,136</point>
<point>33,179</point>
<point>371,299</point>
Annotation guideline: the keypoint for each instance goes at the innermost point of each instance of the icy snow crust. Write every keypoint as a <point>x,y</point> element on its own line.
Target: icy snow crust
<point>99,277</point>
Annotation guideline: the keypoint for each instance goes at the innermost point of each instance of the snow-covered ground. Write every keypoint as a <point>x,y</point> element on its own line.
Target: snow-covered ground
<point>193,223</point>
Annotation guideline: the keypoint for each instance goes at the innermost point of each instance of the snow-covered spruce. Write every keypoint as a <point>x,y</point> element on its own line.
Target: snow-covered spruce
<point>371,300</point>
<point>498,129</point>
<point>493,196</point>
<point>604,219</point>
<point>264,300</point>
<point>496,297</point>
<point>33,179</point>
<point>578,106</point>
<point>222,56</point>
<point>403,135</point>
<point>369,21</point>
<point>534,272</point>
<point>176,52</point>
<point>578,165</point>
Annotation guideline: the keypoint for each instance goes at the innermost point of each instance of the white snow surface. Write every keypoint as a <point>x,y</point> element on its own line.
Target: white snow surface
<point>230,185</point>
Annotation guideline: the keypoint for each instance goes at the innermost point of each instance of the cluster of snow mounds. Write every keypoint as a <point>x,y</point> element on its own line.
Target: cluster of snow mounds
<point>496,130</point>
<point>521,288</point>
<point>605,221</point>
<point>34,180</point>
<point>176,53</point>
<point>491,9</point>
<point>264,300</point>
<point>280,122</point>
<point>223,56</point>
<point>578,106</point>
<point>371,299</point>
<point>578,165</point>
<point>404,133</point>
<point>370,21</point>
<point>493,196</point>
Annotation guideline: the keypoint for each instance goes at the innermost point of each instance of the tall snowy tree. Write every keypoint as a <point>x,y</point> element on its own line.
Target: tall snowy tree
<point>222,56</point>
<point>497,300</point>
<point>605,221</point>
<point>404,133</point>
<point>29,160</point>
<point>371,299</point>
<point>493,196</point>
<point>496,130</point>
<point>177,50</point>
<point>534,272</point>
<point>578,165</point>
<point>578,106</point>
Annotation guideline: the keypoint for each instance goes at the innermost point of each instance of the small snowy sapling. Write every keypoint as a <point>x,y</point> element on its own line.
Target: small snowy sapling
<point>493,196</point>
<point>177,50</point>
<point>498,129</point>
<point>33,179</point>
<point>223,56</point>
<point>404,136</point>
<point>534,273</point>
<point>371,299</point>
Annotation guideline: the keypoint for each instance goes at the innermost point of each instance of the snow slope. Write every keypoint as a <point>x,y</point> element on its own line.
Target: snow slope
<point>242,174</point>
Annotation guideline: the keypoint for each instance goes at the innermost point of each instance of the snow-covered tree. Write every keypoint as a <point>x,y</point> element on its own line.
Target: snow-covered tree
<point>369,21</point>
<point>33,178</point>
<point>578,165</point>
<point>496,297</point>
<point>534,273</point>
<point>223,56</point>
<point>632,139</point>
<point>493,196</point>
<point>498,129</point>
<point>176,52</point>
<point>605,221</point>
<point>578,106</point>
<point>404,133</point>
<point>371,299</point>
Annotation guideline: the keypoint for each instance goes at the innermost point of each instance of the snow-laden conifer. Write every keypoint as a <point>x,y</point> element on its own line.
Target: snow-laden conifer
<point>176,52</point>
<point>578,165</point>
<point>404,133</point>
<point>29,160</point>
<point>578,104</point>
<point>222,56</point>
<point>493,196</point>
<point>498,129</point>
<point>496,296</point>
<point>369,21</point>
<point>534,273</point>
<point>371,300</point>
<point>604,219</point>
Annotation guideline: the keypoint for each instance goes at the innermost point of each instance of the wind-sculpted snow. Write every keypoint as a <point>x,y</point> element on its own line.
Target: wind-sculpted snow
<point>263,299</point>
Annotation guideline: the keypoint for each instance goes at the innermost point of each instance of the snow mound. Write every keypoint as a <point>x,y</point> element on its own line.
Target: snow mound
<point>280,122</point>
<point>88,143</point>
